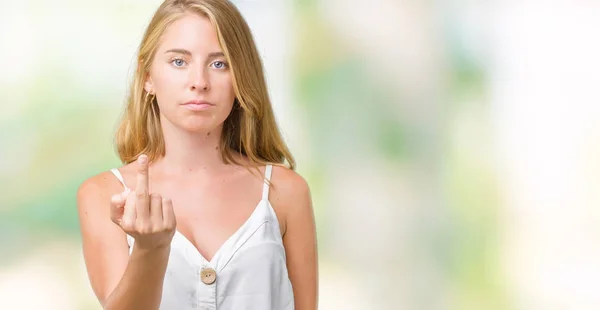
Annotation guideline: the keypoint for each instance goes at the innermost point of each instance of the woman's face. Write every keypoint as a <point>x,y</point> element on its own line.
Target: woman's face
<point>191,77</point>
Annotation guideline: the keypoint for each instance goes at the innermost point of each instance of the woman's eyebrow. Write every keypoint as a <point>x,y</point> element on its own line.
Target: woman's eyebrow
<point>179,51</point>
<point>186,52</point>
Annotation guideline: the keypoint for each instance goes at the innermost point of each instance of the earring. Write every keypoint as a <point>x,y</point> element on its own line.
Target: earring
<point>151,99</point>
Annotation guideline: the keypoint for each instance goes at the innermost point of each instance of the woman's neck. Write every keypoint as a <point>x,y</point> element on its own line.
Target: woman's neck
<point>190,153</point>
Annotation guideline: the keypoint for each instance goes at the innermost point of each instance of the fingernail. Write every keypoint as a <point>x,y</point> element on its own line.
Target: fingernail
<point>143,159</point>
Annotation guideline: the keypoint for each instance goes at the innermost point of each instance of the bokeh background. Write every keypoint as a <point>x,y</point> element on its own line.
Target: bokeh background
<point>452,147</point>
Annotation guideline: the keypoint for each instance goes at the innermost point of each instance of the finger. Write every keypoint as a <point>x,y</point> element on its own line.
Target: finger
<point>125,193</point>
<point>168,214</point>
<point>141,190</point>
<point>156,210</point>
<point>117,203</point>
<point>129,213</point>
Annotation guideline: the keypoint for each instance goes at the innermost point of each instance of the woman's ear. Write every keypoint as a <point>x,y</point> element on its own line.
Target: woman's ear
<point>148,85</point>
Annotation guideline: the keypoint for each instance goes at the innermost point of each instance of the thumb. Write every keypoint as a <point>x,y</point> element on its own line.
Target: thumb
<point>117,204</point>
<point>125,193</point>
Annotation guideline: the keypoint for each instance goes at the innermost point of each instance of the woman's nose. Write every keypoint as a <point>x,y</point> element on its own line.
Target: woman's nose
<point>199,80</point>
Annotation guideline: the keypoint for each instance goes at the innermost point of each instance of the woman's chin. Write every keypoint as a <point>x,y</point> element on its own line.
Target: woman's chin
<point>200,127</point>
<point>193,125</point>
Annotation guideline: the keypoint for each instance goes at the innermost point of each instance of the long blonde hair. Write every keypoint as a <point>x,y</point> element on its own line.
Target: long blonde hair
<point>250,129</point>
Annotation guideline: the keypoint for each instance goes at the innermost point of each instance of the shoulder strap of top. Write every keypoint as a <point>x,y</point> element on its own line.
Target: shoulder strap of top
<point>268,170</point>
<point>117,174</point>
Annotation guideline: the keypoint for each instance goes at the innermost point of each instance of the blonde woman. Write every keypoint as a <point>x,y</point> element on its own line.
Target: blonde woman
<point>207,211</point>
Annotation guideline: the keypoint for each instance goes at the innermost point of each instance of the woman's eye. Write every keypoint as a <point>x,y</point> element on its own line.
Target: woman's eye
<point>178,62</point>
<point>219,64</point>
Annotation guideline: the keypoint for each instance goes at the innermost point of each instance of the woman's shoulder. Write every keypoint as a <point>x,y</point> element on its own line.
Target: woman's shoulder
<point>103,184</point>
<point>290,189</point>
<point>290,197</point>
<point>288,180</point>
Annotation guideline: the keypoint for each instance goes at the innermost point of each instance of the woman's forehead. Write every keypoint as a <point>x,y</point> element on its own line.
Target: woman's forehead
<point>193,33</point>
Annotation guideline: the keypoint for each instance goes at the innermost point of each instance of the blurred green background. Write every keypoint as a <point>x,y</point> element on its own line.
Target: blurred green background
<point>451,146</point>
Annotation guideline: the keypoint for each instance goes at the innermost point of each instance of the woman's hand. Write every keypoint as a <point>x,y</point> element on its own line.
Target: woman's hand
<point>149,219</point>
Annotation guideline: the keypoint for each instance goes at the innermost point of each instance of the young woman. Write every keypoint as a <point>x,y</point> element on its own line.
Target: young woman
<point>207,212</point>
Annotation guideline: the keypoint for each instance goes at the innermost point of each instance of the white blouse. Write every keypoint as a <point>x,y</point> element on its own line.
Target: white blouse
<point>248,272</point>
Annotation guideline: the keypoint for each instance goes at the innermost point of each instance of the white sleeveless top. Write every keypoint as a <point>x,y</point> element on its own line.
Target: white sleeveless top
<point>248,272</point>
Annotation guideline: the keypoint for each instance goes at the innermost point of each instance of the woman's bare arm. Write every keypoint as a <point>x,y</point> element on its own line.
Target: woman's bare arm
<point>121,281</point>
<point>293,194</point>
